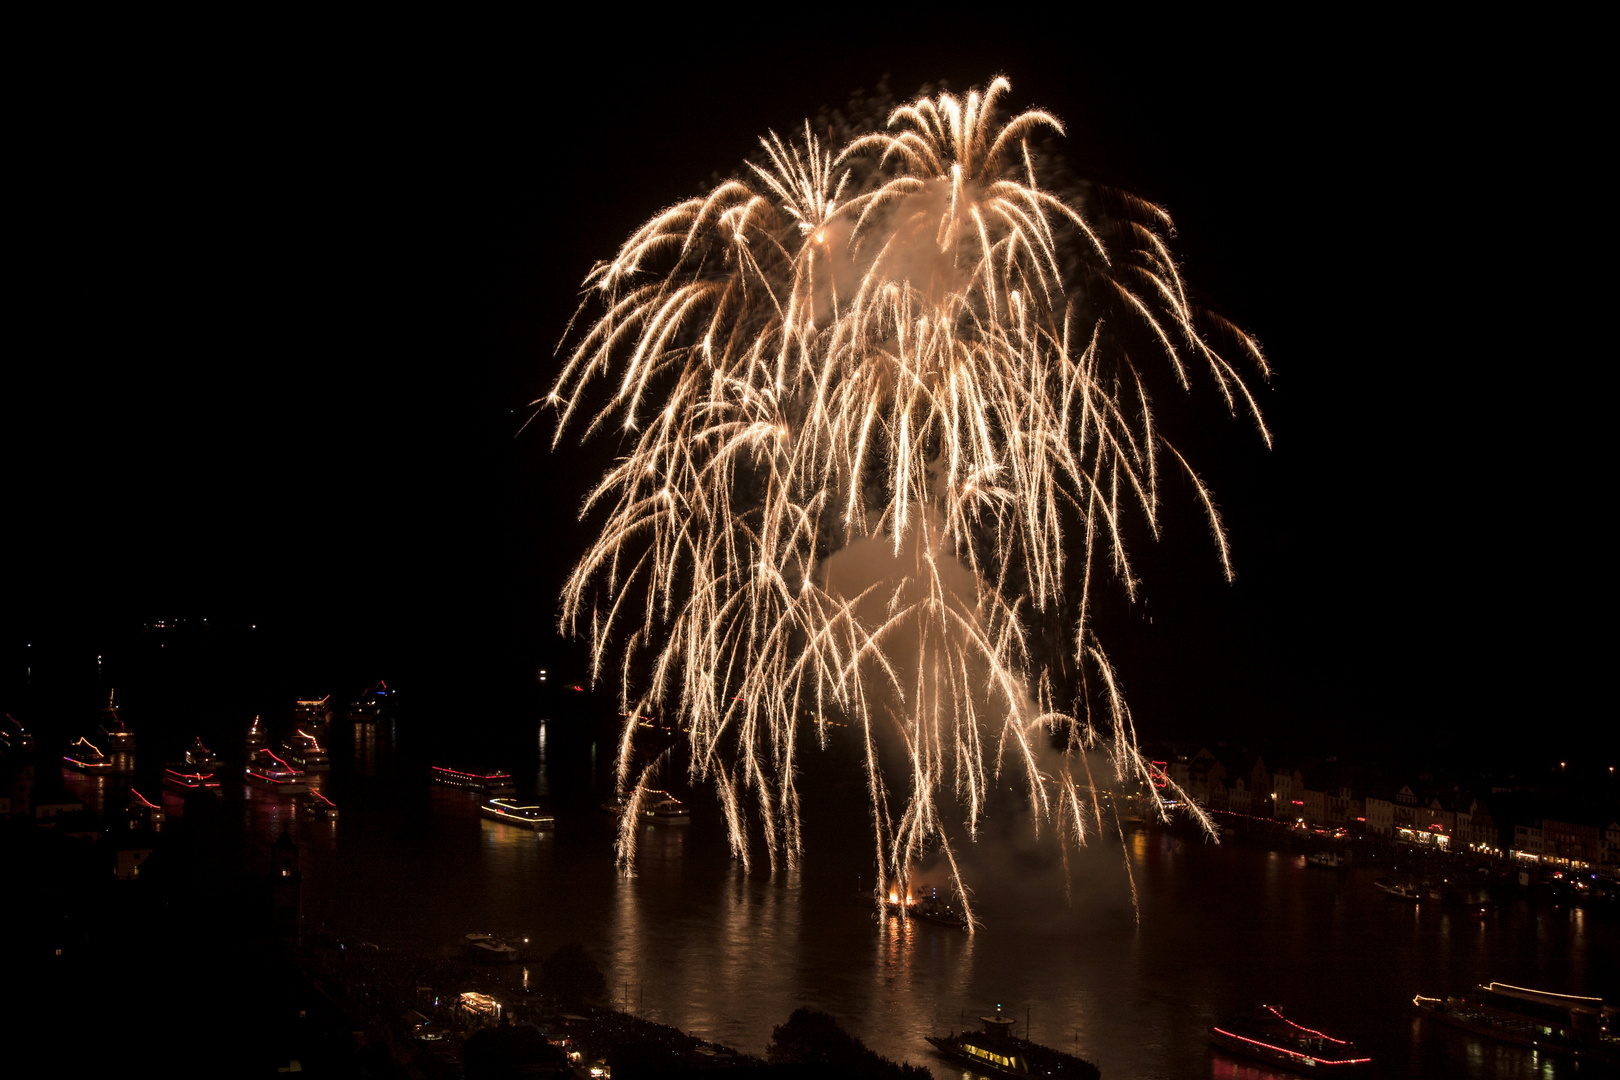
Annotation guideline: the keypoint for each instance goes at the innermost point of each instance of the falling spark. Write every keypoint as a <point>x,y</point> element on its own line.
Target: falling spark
<point>905,354</point>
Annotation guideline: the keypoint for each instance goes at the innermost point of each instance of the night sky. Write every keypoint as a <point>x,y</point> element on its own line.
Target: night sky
<point>284,298</point>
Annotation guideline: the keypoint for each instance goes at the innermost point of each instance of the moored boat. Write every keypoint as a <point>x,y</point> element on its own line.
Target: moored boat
<point>998,1051</point>
<point>509,812</point>
<point>266,770</point>
<point>1269,1036</point>
<point>1400,890</point>
<point>1569,1025</point>
<point>495,782</point>
<point>490,949</point>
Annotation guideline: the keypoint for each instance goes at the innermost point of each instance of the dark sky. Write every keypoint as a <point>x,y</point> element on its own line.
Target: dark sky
<point>284,297</point>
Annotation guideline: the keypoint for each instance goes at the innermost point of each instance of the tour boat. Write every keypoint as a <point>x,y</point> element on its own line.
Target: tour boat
<point>184,777</point>
<point>256,739</point>
<point>1566,1024</point>
<point>490,783</point>
<point>305,752</point>
<point>998,1051</point>
<point>142,813</point>
<point>116,735</point>
<point>371,705</point>
<point>1269,1036</point>
<point>200,757</point>
<point>268,771</point>
<point>87,757</point>
<point>316,805</point>
<point>307,712</point>
<point>510,813</point>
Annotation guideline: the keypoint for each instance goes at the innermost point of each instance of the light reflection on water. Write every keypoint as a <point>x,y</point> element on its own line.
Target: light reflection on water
<point>694,941</point>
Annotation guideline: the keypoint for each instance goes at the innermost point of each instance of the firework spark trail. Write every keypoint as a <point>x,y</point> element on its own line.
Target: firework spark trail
<point>877,349</point>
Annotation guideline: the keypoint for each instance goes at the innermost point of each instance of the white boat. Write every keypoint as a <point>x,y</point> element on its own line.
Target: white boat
<point>268,771</point>
<point>655,808</point>
<point>509,812</point>
<point>490,783</point>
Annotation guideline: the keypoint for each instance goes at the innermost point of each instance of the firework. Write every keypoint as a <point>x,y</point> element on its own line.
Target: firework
<point>883,416</point>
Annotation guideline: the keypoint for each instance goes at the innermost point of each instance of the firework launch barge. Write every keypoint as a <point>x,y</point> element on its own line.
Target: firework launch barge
<point>997,1051</point>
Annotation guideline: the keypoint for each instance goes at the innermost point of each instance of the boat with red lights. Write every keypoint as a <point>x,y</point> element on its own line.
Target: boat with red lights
<point>184,777</point>
<point>372,705</point>
<point>256,739</point>
<point>142,813</point>
<point>200,757</point>
<point>13,736</point>
<point>86,757</point>
<point>1269,1036</point>
<point>266,770</point>
<point>490,783</point>
<point>508,812</point>
<point>316,805</point>
<point>1569,1025</point>
<point>306,752</point>
<point>996,1050</point>
<point>116,735</point>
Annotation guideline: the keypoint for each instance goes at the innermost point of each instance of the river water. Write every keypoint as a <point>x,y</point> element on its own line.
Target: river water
<point>695,940</point>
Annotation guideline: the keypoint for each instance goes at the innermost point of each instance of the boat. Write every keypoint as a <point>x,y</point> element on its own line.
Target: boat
<point>998,1051</point>
<point>371,705</point>
<point>86,757</point>
<point>509,812</point>
<point>654,807</point>
<point>143,813</point>
<point>116,735</point>
<point>929,908</point>
<point>184,777</point>
<point>16,737</point>
<point>316,805</point>
<point>1269,1036</point>
<point>1400,890</point>
<point>491,783</point>
<point>200,757</point>
<point>305,752</point>
<point>308,712</point>
<point>255,736</point>
<point>490,949</point>
<point>1328,860</point>
<point>266,770</point>
<point>1568,1025</point>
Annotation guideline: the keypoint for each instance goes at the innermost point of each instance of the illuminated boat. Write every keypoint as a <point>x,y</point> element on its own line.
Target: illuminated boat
<point>143,813</point>
<point>1399,890</point>
<point>997,1051</point>
<point>930,909</point>
<point>116,735</point>
<point>316,805</point>
<point>307,712</point>
<point>490,949</point>
<point>266,770</point>
<point>371,705</point>
<point>1269,1036</point>
<point>305,752</point>
<point>1565,1024</point>
<point>16,737</point>
<point>509,812</point>
<point>183,777</point>
<point>201,758</point>
<point>256,739</point>
<point>490,783</point>
<point>657,807</point>
<point>87,757</point>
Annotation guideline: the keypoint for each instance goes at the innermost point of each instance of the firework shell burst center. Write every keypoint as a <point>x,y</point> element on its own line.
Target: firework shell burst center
<point>884,414</point>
